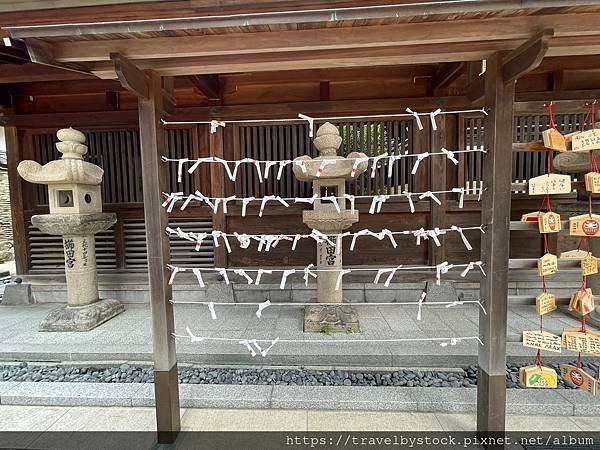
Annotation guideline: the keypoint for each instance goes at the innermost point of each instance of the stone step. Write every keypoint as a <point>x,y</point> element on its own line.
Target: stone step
<point>441,400</point>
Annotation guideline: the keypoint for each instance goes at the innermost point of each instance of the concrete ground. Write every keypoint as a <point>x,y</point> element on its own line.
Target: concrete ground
<point>128,336</point>
<point>58,418</point>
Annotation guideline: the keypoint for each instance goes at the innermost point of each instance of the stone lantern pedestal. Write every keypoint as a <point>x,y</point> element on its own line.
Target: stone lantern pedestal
<point>76,215</point>
<point>330,217</point>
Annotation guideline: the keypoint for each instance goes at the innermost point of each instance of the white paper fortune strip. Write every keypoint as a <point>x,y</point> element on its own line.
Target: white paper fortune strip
<point>262,306</point>
<point>211,309</point>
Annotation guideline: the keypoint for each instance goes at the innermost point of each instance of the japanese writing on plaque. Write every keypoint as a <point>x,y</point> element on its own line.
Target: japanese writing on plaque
<point>586,140</point>
<point>547,265</point>
<point>69,253</point>
<point>542,340</point>
<point>545,303</point>
<point>578,341</point>
<point>85,251</point>
<point>550,184</point>
<point>592,182</point>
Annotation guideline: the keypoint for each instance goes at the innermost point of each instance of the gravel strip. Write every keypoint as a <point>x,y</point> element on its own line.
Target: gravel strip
<point>126,373</point>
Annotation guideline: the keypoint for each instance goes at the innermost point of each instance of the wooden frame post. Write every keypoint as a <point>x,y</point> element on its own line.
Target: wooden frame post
<point>495,214</point>
<point>217,183</point>
<point>15,184</point>
<point>154,174</point>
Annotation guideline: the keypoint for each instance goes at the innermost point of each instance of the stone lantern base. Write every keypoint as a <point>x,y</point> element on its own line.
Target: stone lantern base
<point>81,318</point>
<point>332,318</point>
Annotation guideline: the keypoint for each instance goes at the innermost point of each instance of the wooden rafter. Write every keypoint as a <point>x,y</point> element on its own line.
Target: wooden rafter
<point>42,53</point>
<point>132,78</point>
<point>207,85</point>
<point>525,58</point>
<point>358,57</point>
<point>445,76</point>
<point>450,32</point>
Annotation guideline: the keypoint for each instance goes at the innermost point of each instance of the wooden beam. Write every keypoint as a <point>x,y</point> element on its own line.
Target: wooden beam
<point>314,59</point>
<point>130,77</point>
<point>31,73</point>
<point>353,57</point>
<point>217,184</point>
<point>495,214</point>
<point>437,182</point>
<point>435,32</point>
<point>523,59</point>
<point>42,53</point>
<point>527,56</point>
<point>476,89</point>
<point>446,75</point>
<point>15,184</point>
<point>324,91</point>
<point>207,85</point>
<point>155,181</point>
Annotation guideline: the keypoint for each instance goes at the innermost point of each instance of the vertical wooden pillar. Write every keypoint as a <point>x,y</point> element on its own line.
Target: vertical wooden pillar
<point>217,183</point>
<point>437,182</point>
<point>15,184</point>
<point>491,387</point>
<point>154,175</point>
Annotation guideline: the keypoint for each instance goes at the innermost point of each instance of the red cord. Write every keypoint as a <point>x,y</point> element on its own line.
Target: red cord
<point>549,107</point>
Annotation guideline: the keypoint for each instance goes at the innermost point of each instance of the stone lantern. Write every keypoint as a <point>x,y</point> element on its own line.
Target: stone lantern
<point>76,214</point>
<point>330,217</point>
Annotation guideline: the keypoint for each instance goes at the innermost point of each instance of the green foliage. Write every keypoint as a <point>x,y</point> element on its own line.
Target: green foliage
<point>326,328</point>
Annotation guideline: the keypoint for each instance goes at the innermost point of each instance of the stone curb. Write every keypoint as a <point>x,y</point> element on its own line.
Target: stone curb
<point>439,400</point>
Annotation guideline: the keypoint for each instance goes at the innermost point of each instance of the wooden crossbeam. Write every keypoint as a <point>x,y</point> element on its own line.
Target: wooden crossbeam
<point>438,33</point>
<point>207,85</point>
<point>445,76</point>
<point>347,57</point>
<point>526,57</point>
<point>132,78</point>
<point>43,53</point>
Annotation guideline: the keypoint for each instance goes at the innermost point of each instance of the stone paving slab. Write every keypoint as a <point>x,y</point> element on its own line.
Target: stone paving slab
<point>212,396</point>
<point>128,336</point>
<point>539,401</point>
<point>70,394</point>
<point>343,397</point>
<point>454,400</point>
<point>562,403</point>
<point>584,404</point>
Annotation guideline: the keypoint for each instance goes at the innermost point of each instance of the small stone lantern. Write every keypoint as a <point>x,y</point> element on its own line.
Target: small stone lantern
<point>329,217</point>
<point>76,214</point>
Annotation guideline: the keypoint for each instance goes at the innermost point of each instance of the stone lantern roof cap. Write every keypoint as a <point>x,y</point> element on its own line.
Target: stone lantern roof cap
<point>70,169</point>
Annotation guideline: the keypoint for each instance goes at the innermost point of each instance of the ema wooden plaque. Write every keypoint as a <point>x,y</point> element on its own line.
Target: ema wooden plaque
<point>586,141</point>
<point>582,301</point>
<point>538,377</point>
<point>545,303</point>
<point>579,377</point>
<point>553,139</point>
<point>584,225</point>
<point>575,340</point>
<point>550,184</point>
<point>531,216</point>
<point>574,254</point>
<point>592,182</point>
<point>589,265</point>
<point>549,222</point>
<point>547,265</point>
<point>542,340</point>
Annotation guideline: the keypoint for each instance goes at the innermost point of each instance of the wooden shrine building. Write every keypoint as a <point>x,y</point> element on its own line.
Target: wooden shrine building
<point>116,70</point>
